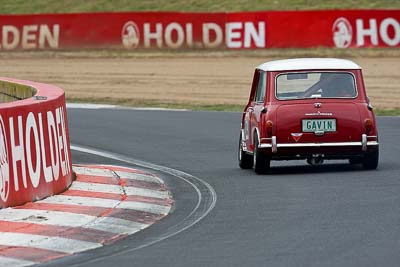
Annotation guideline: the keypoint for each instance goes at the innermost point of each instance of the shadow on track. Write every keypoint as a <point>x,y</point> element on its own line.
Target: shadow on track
<point>308,169</point>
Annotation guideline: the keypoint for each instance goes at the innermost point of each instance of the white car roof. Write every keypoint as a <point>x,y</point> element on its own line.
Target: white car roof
<point>309,63</point>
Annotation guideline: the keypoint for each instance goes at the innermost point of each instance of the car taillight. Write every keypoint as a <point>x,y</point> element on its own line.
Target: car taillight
<point>368,125</point>
<point>269,125</point>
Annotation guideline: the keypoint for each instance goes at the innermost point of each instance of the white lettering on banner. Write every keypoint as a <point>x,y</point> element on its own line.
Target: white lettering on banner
<point>207,29</point>
<point>17,152</point>
<point>232,33</point>
<point>30,37</point>
<point>53,144</point>
<point>251,34</point>
<point>148,35</point>
<point>10,37</point>
<point>385,32</point>
<point>32,153</point>
<point>364,32</point>
<point>4,166</point>
<point>46,169</point>
<point>373,31</point>
<point>31,126</point>
<point>235,39</point>
<point>176,35</point>
<point>51,37</point>
<point>62,141</point>
<point>169,30</point>
<point>189,34</point>
<point>384,29</point>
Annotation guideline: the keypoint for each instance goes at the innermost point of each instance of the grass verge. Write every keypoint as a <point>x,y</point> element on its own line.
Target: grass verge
<point>387,112</point>
<point>156,104</point>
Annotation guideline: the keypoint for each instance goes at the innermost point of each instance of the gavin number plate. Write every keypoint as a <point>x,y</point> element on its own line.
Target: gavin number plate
<point>327,125</point>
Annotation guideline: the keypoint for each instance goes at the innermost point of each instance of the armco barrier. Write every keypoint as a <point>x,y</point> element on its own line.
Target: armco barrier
<point>35,156</point>
<point>176,30</point>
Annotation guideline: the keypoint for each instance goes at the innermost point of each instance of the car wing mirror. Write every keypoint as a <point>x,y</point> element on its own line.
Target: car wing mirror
<point>370,107</point>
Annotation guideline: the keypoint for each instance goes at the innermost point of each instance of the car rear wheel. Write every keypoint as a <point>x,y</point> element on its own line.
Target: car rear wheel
<point>245,160</point>
<point>370,162</point>
<point>354,161</point>
<point>261,161</point>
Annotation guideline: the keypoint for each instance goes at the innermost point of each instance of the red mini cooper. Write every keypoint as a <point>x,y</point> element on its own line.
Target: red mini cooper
<point>311,108</point>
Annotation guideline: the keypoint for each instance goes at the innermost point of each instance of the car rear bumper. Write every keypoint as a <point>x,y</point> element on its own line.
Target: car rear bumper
<point>335,149</point>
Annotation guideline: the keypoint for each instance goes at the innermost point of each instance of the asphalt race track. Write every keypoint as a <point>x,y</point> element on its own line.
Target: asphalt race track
<point>299,215</point>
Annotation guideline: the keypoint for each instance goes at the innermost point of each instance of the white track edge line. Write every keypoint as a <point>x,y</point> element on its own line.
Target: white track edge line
<point>116,107</point>
<point>176,173</point>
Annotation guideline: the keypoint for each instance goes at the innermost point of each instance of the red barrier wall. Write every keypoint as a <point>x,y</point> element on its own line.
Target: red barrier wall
<point>174,30</point>
<point>35,158</point>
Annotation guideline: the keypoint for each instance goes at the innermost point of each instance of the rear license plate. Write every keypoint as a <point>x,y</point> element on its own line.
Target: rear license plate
<point>326,125</point>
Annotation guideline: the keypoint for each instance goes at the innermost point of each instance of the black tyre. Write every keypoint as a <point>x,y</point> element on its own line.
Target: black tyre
<point>245,160</point>
<point>354,161</point>
<point>370,162</point>
<point>261,161</point>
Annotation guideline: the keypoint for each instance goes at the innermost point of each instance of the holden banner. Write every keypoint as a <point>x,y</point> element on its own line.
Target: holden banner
<point>178,30</point>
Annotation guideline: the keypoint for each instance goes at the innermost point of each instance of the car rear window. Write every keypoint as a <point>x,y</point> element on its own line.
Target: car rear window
<point>303,85</point>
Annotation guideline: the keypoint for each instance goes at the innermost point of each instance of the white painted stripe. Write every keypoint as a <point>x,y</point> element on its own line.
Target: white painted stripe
<point>138,177</point>
<point>116,225</point>
<point>45,217</point>
<point>68,219</point>
<point>94,187</point>
<point>116,189</point>
<point>81,201</point>
<point>5,261</point>
<point>146,207</point>
<point>106,203</point>
<point>93,171</point>
<point>90,106</point>
<point>105,106</point>
<point>110,173</point>
<point>59,244</point>
<point>134,191</point>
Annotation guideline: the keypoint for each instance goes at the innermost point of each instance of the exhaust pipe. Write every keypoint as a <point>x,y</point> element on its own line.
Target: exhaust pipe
<point>316,160</point>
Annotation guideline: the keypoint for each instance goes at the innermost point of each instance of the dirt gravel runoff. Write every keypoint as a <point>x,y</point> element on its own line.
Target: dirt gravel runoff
<point>187,80</point>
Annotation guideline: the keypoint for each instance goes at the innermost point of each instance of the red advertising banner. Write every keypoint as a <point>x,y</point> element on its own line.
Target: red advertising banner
<point>175,30</point>
<point>35,156</point>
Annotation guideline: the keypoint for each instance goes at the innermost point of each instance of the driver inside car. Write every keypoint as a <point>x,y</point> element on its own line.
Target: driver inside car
<point>340,86</point>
